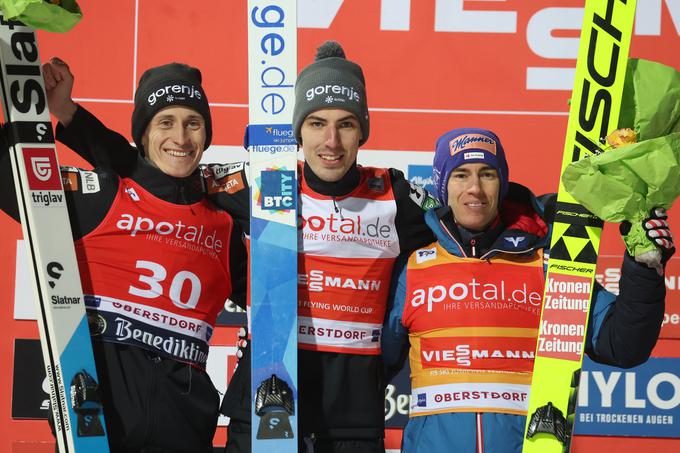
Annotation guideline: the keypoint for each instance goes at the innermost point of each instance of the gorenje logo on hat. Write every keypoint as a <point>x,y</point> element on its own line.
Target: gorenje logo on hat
<point>472,141</point>
<point>329,90</point>
<point>174,92</point>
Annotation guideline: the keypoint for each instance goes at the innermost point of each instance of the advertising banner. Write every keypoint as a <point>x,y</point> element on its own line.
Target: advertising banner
<point>643,401</point>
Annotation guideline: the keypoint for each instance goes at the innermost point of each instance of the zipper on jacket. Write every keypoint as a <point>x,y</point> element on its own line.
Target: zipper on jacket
<point>480,434</point>
<point>337,209</point>
<point>473,242</point>
<point>455,241</point>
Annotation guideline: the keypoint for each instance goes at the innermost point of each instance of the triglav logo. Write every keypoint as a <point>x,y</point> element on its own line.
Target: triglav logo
<point>44,179</point>
<point>41,168</point>
<point>174,92</point>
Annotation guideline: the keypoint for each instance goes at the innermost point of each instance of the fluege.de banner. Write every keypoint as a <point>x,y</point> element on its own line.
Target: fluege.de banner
<point>643,401</point>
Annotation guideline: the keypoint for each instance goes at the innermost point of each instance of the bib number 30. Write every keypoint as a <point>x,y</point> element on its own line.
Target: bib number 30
<point>153,287</point>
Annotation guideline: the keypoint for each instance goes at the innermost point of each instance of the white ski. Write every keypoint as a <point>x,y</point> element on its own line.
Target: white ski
<point>60,308</point>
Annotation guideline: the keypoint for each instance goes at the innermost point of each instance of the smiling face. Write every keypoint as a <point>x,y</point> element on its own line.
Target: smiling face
<point>474,195</point>
<point>330,142</point>
<point>174,140</point>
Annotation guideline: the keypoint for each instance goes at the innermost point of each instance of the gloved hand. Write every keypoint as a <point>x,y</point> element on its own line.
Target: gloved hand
<point>241,344</point>
<point>659,233</point>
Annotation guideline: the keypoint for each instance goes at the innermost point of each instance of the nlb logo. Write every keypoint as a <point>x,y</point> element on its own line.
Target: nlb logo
<point>472,141</point>
<point>317,281</point>
<point>278,190</point>
<point>174,92</point>
<point>474,291</point>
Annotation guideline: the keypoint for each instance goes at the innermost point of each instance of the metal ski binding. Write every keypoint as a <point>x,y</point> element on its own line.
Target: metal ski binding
<point>86,403</point>
<point>274,403</point>
<point>548,420</point>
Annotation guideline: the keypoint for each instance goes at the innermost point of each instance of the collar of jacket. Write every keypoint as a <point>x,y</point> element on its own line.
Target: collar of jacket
<point>339,188</point>
<point>187,190</point>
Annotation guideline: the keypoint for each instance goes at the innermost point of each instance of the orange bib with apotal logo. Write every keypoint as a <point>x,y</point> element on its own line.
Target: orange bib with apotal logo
<point>472,326</point>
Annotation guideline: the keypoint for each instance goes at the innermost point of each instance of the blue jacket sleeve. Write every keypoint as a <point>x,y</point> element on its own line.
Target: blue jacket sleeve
<point>395,344</point>
<point>623,329</point>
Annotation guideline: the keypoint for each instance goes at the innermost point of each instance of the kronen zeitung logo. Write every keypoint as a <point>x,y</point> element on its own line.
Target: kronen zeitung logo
<point>173,92</point>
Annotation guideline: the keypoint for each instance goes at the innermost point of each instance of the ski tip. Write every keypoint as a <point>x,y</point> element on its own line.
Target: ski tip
<point>329,49</point>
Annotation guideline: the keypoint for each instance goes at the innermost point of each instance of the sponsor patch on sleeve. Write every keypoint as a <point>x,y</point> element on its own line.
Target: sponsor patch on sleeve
<point>376,184</point>
<point>90,182</point>
<point>423,255</point>
<point>224,178</point>
<point>69,179</point>
<point>422,197</point>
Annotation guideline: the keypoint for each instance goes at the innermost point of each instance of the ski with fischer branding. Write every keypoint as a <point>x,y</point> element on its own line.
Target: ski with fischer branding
<point>62,321</point>
<point>594,113</point>
<point>272,69</point>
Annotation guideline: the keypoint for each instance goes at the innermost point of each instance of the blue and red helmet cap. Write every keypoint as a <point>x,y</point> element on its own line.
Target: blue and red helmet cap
<point>467,146</point>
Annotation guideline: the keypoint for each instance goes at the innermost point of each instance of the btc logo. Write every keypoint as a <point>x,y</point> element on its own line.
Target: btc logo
<point>278,190</point>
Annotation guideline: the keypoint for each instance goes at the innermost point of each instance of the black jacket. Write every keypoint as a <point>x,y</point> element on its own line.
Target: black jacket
<point>148,401</point>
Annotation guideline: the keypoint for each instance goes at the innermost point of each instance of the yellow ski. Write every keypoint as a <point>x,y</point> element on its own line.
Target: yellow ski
<point>594,113</point>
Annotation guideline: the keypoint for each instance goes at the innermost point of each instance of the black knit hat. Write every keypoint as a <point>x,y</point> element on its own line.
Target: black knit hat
<point>331,82</point>
<point>165,86</point>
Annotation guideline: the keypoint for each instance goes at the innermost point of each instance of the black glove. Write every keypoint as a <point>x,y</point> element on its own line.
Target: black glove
<point>659,233</point>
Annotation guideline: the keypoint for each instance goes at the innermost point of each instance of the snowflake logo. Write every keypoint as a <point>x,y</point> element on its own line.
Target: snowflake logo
<point>170,98</point>
<point>329,99</point>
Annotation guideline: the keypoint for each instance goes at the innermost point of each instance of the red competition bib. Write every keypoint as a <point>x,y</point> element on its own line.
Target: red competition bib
<point>348,247</point>
<point>156,274</point>
<point>472,326</point>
